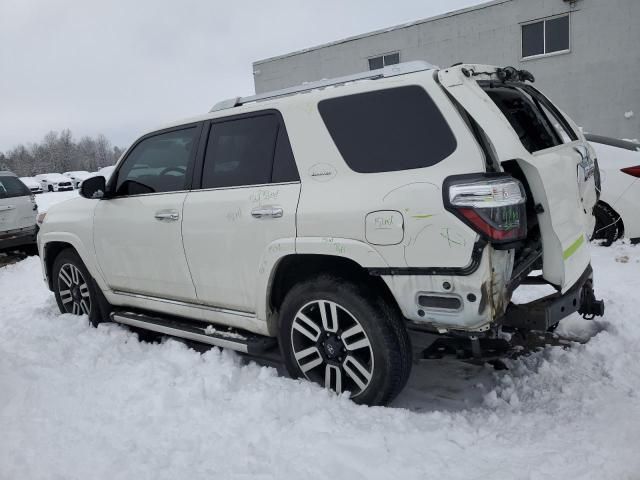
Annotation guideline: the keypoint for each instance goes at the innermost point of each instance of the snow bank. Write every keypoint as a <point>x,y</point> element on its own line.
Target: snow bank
<point>83,403</point>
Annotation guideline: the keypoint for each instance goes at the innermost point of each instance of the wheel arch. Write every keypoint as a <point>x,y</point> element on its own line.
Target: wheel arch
<point>54,243</point>
<point>50,252</point>
<point>295,268</point>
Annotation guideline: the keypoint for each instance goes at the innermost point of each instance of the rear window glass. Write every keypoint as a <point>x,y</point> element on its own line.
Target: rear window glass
<point>12,187</point>
<point>534,119</point>
<point>388,130</point>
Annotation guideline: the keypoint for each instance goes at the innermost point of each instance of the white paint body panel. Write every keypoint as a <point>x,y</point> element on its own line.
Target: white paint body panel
<point>228,249</point>
<point>139,253</point>
<point>17,212</point>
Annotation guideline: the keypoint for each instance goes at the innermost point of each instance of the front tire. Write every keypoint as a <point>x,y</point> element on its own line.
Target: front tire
<point>75,290</point>
<point>340,335</point>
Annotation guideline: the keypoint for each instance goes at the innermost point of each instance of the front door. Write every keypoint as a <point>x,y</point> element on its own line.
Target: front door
<point>17,208</point>
<point>137,227</point>
<point>245,208</point>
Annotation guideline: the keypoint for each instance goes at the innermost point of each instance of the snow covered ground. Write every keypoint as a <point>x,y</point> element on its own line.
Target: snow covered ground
<point>84,403</point>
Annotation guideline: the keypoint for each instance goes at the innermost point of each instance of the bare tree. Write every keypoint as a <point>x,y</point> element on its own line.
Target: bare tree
<point>58,152</point>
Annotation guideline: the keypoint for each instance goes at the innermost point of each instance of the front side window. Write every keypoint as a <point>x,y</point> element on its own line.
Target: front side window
<point>388,130</point>
<point>248,151</point>
<point>545,36</point>
<point>12,187</point>
<point>157,164</point>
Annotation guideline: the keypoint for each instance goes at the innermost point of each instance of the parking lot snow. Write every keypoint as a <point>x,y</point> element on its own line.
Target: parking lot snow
<point>84,403</point>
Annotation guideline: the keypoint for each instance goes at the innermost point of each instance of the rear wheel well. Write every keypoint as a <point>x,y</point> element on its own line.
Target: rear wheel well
<point>51,251</point>
<point>297,268</point>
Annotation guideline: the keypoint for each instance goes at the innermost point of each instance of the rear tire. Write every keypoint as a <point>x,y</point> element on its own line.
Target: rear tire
<point>341,335</point>
<point>609,227</point>
<point>75,289</point>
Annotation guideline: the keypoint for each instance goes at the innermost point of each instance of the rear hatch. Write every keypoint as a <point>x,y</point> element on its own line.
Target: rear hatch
<point>522,125</point>
<point>17,209</point>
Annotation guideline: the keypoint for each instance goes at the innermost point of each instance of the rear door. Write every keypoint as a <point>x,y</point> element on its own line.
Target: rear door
<point>244,211</point>
<point>17,208</point>
<point>523,125</point>
<point>137,228</point>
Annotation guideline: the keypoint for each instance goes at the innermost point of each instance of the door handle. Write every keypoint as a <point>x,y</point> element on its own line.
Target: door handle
<point>267,212</point>
<point>167,216</point>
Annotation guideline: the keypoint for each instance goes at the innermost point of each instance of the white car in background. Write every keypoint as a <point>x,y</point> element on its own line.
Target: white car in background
<point>54,182</point>
<point>618,210</point>
<point>32,184</point>
<point>18,211</point>
<point>77,177</point>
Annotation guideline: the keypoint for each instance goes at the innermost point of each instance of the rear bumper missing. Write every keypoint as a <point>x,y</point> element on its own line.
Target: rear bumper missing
<point>546,312</point>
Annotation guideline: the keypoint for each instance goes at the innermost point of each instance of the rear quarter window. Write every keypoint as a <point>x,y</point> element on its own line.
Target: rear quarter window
<point>388,130</point>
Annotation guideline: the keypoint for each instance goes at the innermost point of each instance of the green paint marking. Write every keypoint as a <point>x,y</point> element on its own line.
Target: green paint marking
<point>422,216</point>
<point>573,247</point>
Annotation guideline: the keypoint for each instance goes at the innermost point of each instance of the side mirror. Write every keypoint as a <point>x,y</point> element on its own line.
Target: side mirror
<point>93,187</point>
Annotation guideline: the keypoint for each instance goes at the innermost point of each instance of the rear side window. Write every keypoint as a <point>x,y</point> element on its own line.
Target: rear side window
<point>388,130</point>
<point>12,187</point>
<point>158,164</point>
<point>248,151</point>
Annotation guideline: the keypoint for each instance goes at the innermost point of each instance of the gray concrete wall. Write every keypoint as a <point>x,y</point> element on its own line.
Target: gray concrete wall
<point>596,82</point>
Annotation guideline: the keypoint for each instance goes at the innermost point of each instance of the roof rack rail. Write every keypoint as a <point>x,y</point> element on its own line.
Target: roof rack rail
<point>390,71</point>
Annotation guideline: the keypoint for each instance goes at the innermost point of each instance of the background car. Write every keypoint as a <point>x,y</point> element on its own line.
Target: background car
<point>32,184</point>
<point>54,182</point>
<point>77,177</point>
<point>618,210</point>
<point>18,211</point>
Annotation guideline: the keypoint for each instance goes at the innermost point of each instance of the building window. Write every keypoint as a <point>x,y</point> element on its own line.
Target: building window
<point>545,37</point>
<point>384,60</point>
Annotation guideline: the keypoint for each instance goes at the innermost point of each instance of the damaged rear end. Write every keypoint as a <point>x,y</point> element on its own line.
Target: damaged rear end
<point>536,198</point>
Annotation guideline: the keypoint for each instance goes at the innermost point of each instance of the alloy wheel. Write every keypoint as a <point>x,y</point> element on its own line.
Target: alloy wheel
<point>331,347</point>
<point>73,289</point>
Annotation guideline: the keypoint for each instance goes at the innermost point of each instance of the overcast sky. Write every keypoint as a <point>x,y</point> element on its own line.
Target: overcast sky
<point>121,67</point>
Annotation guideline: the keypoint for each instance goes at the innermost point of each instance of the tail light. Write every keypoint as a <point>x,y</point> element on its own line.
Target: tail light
<point>633,171</point>
<point>494,206</point>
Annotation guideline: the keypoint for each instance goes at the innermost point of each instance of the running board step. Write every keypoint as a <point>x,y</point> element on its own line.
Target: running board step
<point>210,334</point>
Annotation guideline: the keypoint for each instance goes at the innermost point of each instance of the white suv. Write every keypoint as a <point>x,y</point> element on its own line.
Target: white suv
<point>18,212</point>
<point>330,220</point>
